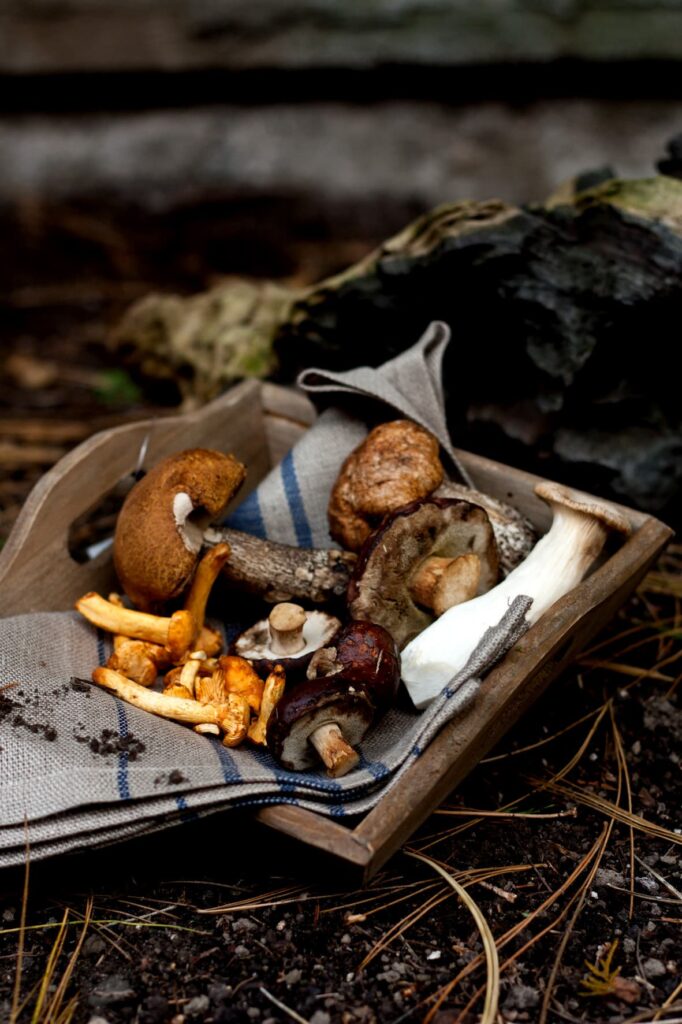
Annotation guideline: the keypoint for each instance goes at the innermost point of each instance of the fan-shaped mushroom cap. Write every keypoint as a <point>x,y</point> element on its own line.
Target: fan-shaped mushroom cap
<point>379,590</point>
<point>159,528</point>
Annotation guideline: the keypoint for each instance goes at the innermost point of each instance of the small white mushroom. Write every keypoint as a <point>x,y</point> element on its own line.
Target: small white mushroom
<point>556,564</point>
<point>289,637</point>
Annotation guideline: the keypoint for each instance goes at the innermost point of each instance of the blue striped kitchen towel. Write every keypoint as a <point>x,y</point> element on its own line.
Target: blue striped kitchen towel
<point>83,768</point>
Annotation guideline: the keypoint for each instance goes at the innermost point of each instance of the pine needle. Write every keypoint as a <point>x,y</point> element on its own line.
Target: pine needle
<point>492,992</point>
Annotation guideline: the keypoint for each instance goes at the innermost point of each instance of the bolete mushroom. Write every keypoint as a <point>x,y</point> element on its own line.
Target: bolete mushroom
<point>167,517</point>
<point>159,530</point>
<point>556,564</point>
<point>398,463</point>
<point>288,637</point>
<point>316,721</point>
<point>437,552</point>
<point>325,717</point>
<point>365,656</point>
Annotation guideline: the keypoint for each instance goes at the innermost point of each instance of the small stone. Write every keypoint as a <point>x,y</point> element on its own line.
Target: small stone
<point>391,976</point>
<point>654,968</point>
<point>153,1010</point>
<point>253,1013</point>
<point>243,925</point>
<point>607,876</point>
<point>111,991</point>
<point>320,1017</point>
<point>521,997</point>
<point>197,1007</point>
<point>629,945</point>
<point>94,945</point>
<point>98,1020</point>
<point>292,977</point>
<point>241,951</point>
<point>346,940</point>
<point>219,993</point>
<point>8,914</point>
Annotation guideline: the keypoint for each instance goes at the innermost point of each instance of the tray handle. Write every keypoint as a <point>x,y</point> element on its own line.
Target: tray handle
<point>37,572</point>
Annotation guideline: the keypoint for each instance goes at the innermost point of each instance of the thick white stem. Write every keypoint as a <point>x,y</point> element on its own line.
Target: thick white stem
<point>556,564</point>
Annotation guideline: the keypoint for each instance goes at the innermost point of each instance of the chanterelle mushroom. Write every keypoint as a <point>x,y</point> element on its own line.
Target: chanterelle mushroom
<point>288,637</point>
<point>413,558</point>
<point>556,564</point>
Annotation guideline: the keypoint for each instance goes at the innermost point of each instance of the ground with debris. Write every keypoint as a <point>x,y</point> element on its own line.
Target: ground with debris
<point>568,838</point>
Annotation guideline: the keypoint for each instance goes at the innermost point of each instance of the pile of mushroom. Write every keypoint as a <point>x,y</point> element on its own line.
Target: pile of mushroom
<point>419,574</point>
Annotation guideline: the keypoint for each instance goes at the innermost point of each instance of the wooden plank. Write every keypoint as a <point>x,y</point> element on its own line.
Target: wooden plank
<point>318,831</point>
<point>508,691</point>
<point>36,570</point>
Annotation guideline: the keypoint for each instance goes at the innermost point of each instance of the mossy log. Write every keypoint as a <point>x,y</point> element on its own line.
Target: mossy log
<point>565,318</point>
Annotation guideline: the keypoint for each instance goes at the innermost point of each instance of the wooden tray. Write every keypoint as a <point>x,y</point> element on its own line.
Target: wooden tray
<point>259,423</point>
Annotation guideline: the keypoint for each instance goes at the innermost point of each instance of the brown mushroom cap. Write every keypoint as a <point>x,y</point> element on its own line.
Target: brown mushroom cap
<point>397,463</point>
<point>306,708</point>
<point>159,528</point>
<point>254,644</point>
<point>379,588</point>
<point>364,655</point>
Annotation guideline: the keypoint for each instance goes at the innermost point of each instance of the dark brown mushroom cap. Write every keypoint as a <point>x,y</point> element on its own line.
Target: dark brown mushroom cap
<point>254,644</point>
<point>364,656</point>
<point>307,707</point>
<point>441,527</point>
<point>158,534</point>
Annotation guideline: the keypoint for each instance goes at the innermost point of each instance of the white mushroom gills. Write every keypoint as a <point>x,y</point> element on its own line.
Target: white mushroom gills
<point>556,564</point>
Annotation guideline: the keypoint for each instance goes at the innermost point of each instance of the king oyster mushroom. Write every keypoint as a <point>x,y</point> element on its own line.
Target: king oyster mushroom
<point>325,717</point>
<point>290,636</point>
<point>431,554</point>
<point>166,519</point>
<point>556,564</point>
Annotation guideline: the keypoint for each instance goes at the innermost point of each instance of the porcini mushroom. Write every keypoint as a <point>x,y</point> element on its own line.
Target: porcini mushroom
<point>396,464</point>
<point>167,517</point>
<point>288,637</point>
<point>364,656</point>
<point>319,720</point>
<point>414,558</point>
<point>159,530</point>
<point>556,564</point>
<point>325,717</point>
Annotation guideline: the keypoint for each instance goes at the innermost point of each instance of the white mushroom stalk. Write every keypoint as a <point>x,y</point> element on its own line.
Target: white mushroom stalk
<point>556,564</point>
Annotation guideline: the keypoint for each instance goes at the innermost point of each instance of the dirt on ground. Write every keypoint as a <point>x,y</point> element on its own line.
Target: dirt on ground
<point>568,837</point>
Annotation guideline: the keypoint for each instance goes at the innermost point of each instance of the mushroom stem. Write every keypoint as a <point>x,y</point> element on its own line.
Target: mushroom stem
<point>286,622</point>
<point>177,708</point>
<point>338,756</point>
<point>175,632</point>
<point>278,572</point>
<point>206,574</point>
<point>440,583</point>
<point>556,564</point>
